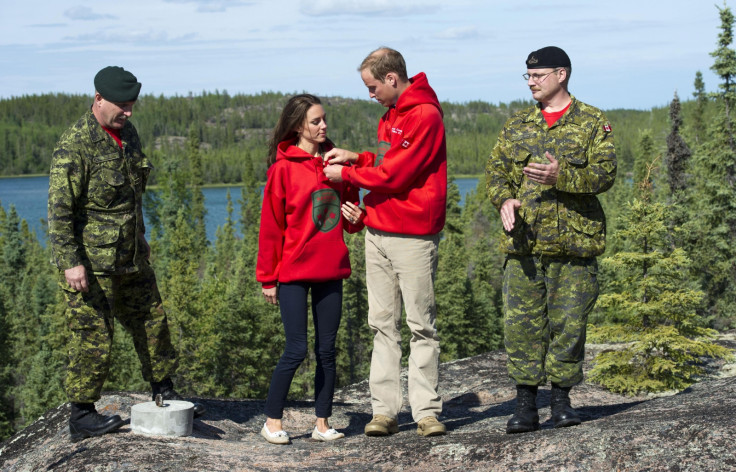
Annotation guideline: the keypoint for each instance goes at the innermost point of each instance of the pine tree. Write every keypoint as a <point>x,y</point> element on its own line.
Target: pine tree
<point>701,99</point>
<point>656,307</point>
<point>181,301</point>
<point>249,331</point>
<point>198,210</point>
<point>724,64</point>
<point>645,155</point>
<point>453,294</point>
<point>354,338</point>
<point>225,242</point>
<point>483,235</point>
<point>6,365</point>
<point>678,177</point>
<point>250,206</point>
<point>678,153</point>
<point>714,223</point>
<point>40,334</point>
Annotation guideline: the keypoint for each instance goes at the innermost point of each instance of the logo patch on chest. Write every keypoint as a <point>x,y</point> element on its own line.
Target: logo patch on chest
<point>325,209</point>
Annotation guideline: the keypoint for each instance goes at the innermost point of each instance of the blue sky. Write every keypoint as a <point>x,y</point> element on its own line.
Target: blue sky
<point>625,53</point>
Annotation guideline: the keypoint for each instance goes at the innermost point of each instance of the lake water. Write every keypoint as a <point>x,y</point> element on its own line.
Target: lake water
<point>30,195</point>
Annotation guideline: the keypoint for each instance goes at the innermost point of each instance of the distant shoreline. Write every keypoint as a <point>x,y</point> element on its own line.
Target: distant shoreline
<point>219,185</point>
<point>22,176</point>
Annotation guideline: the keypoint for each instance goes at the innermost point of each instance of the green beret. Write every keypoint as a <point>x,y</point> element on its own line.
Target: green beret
<point>116,84</point>
<point>549,57</point>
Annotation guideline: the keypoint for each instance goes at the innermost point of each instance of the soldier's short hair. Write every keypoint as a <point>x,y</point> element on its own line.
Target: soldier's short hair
<point>383,61</point>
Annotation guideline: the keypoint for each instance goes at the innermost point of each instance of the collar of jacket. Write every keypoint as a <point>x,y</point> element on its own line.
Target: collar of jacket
<point>97,134</point>
<point>535,114</point>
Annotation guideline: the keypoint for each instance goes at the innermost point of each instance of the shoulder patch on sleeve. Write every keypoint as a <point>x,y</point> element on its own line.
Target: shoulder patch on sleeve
<point>607,127</point>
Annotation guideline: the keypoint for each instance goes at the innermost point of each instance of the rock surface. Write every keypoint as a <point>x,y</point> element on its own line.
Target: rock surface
<point>694,430</point>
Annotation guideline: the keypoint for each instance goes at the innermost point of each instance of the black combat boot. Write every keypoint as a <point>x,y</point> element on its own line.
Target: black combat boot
<point>526,417</point>
<point>562,413</point>
<point>85,422</point>
<point>166,389</point>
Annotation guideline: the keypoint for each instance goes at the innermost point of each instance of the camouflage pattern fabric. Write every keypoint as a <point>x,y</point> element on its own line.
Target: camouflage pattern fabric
<point>567,218</point>
<point>95,192</point>
<point>135,301</point>
<point>96,219</point>
<point>550,282</point>
<point>546,306</point>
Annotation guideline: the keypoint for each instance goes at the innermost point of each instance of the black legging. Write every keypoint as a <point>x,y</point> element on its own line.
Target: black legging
<point>326,313</point>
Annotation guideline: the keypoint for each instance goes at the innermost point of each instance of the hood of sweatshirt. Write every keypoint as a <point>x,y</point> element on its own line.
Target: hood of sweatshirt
<point>418,93</point>
<point>287,150</point>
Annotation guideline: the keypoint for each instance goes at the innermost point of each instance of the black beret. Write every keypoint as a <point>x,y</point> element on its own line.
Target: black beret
<point>116,84</point>
<point>544,58</point>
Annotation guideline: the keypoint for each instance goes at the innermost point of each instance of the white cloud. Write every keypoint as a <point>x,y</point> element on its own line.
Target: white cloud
<point>461,32</point>
<point>84,14</point>
<point>213,6</point>
<point>48,25</point>
<point>368,7</point>
<point>147,37</point>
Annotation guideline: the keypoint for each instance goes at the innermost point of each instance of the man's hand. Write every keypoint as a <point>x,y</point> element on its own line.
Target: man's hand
<point>545,174</point>
<point>340,156</point>
<point>334,172</point>
<point>508,213</point>
<point>271,295</point>
<point>76,277</point>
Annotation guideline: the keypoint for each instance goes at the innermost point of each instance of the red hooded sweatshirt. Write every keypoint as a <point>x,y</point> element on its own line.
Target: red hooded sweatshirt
<point>407,179</point>
<point>301,224</point>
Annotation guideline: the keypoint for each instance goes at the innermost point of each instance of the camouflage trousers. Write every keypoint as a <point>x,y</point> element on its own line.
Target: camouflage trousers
<point>135,301</point>
<point>546,306</point>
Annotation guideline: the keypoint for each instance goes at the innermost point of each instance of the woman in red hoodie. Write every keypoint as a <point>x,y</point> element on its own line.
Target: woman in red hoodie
<point>301,248</point>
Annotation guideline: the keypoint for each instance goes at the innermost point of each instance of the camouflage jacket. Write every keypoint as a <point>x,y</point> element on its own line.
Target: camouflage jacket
<point>95,193</point>
<point>565,219</point>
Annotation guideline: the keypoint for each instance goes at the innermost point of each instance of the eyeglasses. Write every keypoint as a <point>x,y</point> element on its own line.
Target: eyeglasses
<point>538,78</point>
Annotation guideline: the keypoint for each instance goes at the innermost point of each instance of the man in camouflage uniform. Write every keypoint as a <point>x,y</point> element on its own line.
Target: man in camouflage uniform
<point>96,231</point>
<point>543,175</point>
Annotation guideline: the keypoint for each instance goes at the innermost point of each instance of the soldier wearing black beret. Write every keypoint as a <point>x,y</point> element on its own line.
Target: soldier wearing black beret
<point>543,175</point>
<point>96,233</point>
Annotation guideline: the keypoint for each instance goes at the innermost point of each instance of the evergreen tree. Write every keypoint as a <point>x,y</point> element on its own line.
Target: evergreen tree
<point>678,162</point>
<point>656,306</point>
<point>198,211</point>
<point>645,155</point>
<point>453,294</point>
<point>678,153</point>
<point>483,234</point>
<point>354,338</point>
<point>701,99</point>
<point>724,64</point>
<point>225,244</point>
<point>6,400</point>
<point>250,206</point>
<point>249,332</point>
<point>714,227</point>
<point>40,336</point>
<point>181,300</point>
<point>6,364</point>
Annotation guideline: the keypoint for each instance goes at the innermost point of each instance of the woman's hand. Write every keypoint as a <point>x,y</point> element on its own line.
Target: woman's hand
<point>352,212</point>
<point>271,295</point>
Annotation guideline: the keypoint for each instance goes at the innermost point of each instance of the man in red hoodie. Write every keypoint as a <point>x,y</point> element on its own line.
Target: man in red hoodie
<point>405,212</point>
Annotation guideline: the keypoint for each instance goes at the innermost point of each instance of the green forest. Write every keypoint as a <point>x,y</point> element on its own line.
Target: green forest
<point>667,278</point>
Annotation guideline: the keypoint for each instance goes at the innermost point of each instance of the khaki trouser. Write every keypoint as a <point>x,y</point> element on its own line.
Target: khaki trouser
<point>402,267</point>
